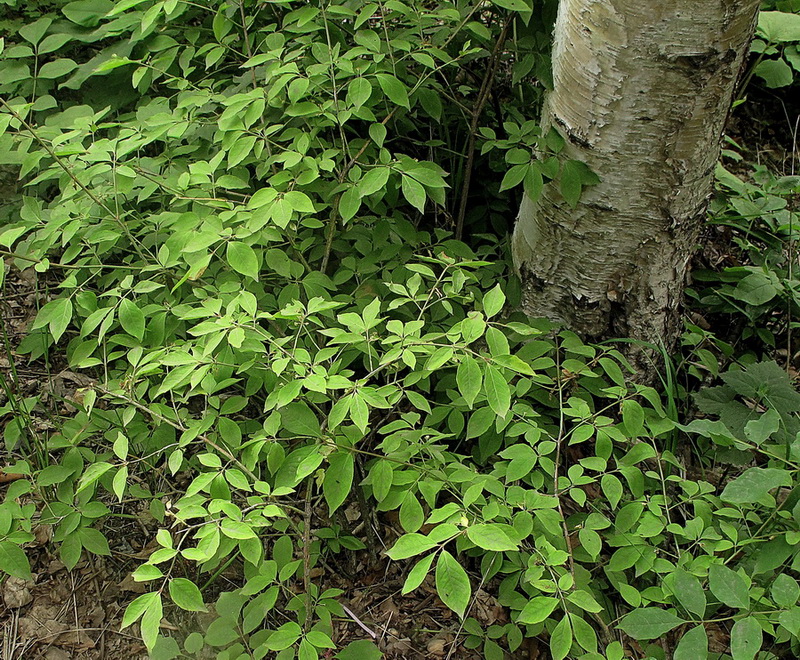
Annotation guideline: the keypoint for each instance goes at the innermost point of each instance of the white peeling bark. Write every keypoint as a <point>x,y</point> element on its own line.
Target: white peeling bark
<point>641,94</point>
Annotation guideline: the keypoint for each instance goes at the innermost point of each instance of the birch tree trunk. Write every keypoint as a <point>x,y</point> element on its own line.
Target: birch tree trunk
<point>641,94</point>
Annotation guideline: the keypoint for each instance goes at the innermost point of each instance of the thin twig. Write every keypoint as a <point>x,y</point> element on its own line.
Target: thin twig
<point>335,212</point>
<point>483,97</point>
<point>358,621</point>
<point>557,468</point>
<point>179,427</point>
<point>247,42</point>
<point>307,558</point>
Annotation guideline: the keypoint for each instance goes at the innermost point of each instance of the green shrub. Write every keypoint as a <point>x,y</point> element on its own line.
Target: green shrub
<point>242,220</point>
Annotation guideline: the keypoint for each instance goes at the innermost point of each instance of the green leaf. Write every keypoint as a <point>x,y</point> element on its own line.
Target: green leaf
<point>492,537</point>
<point>411,514</point>
<point>14,561</point>
<point>779,26</point>
<point>612,489</point>
<point>131,318</point>
<point>299,201</point>
<point>570,184</point>
<point>785,591</point>
<point>649,623</point>
<point>243,259</point>
<point>759,430</point>
<point>240,150</point>
<point>523,459</point>
<point>753,484</point>
<point>515,175</point>
<point>591,542</point>
<point>349,203</point>
<point>756,288</point>
<point>137,608</point>
<point>493,301</point>
<point>512,5</point>
<point>58,314</point>
<point>728,586</point>
<point>633,418</point>
<point>57,68</point>
<point>537,610</point>
<point>584,599</point>
<point>33,32</point>
<point>361,649</point>
<point>151,622</point>
<point>87,12</point>
<point>414,193</point>
<point>92,474</point>
<point>452,583</point>
<point>533,182</point>
<point>93,540</point>
<point>358,92</point>
<point>775,73</point>
<point>374,180</point>
<point>186,595</point>
<point>746,639</point>
<point>417,574</point>
<point>693,645</point>
<point>378,133</point>
<point>394,89</point>
<point>469,379</point>
<point>299,419</point>
<point>409,545</point>
<point>498,393</point>
<point>338,479</point>
<point>120,481</point>
<point>561,639</point>
<point>320,640</point>
<point>689,592</point>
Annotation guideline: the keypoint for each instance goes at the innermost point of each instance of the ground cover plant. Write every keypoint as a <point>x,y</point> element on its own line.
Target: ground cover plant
<point>266,243</point>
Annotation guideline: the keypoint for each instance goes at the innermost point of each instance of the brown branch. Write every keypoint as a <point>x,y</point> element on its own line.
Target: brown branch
<point>483,96</point>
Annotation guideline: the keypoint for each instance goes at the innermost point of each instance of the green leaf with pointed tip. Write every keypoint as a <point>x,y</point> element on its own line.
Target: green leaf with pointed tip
<point>493,301</point>
<point>14,561</point>
<point>417,574</point>
<point>561,639</point>
<point>243,259</point>
<point>358,92</point>
<point>649,622</point>
<point>498,393</point>
<point>728,586</point>
<point>693,645</point>
<point>753,484</point>
<point>338,479</point>
<point>537,609</point>
<point>137,608</point>
<point>186,595</point>
<point>491,536</point>
<point>151,622</point>
<point>131,318</point>
<point>469,379</point>
<point>349,203</point>
<point>409,545</point>
<point>452,583</point>
<point>689,592</point>
<point>394,89</point>
<point>411,514</point>
<point>414,193</point>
